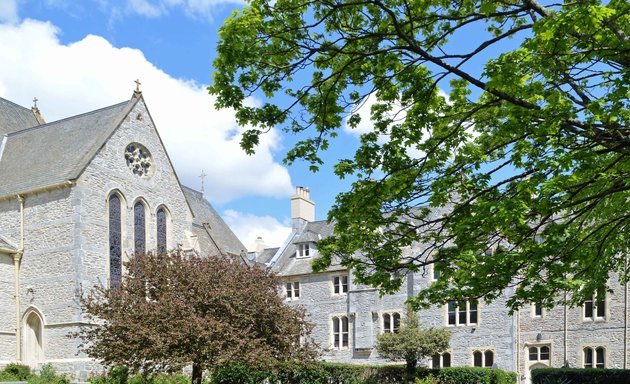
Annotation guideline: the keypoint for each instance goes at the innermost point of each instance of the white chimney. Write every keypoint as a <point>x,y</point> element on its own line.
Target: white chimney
<point>302,208</point>
<point>259,245</point>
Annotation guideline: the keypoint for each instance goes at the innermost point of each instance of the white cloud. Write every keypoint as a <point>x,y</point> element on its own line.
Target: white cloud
<point>91,74</point>
<point>248,227</point>
<point>8,11</point>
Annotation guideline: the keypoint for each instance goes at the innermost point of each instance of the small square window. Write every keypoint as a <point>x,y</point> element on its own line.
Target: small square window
<point>293,290</point>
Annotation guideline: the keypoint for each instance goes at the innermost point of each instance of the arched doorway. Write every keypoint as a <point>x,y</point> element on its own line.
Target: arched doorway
<point>531,367</point>
<point>33,346</point>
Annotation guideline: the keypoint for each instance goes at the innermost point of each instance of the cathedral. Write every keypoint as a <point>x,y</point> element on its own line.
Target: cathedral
<point>78,197</point>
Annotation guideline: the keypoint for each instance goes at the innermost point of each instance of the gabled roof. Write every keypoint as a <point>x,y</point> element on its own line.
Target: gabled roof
<point>288,265</point>
<point>207,217</point>
<point>14,117</point>
<point>53,153</point>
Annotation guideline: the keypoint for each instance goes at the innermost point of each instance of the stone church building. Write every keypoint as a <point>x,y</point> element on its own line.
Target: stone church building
<point>81,195</point>
<point>78,197</point>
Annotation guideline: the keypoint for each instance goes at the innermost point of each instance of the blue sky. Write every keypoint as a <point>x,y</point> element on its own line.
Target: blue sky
<point>76,56</point>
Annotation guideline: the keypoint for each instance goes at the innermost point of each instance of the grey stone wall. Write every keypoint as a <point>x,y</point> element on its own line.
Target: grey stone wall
<point>365,307</point>
<point>66,241</point>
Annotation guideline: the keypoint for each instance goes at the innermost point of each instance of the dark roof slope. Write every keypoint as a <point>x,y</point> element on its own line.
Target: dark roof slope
<point>52,153</point>
<point>14,117</point>
<point>206,216</point>
<point>288,265</point>
<point>4,244</point>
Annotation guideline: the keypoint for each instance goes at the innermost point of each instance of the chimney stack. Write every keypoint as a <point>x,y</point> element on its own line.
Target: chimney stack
<point>302,208</point>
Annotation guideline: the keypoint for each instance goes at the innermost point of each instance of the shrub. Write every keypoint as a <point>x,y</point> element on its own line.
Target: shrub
<point>580,375</point>
<point>19,372</point>
<point>48,375</point>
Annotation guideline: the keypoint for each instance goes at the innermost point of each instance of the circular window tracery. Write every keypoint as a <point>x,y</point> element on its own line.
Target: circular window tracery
<point>139,159</point>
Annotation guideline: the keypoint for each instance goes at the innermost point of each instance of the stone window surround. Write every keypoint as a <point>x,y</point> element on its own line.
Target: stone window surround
<point>339,317</point>
<point>593,348</point>
<point>483,351</point>
<point>127,224</point>
<point>392,323</point>
<point>338,284</point>
<point>440,357</point>
<point>533,311</point>
<point>595,309</point>
<point>292,290</point>
<point>538,346</point>
<point>457,312</point>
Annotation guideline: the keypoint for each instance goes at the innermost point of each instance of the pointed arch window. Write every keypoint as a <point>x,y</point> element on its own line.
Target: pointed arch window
<point>33,337</point>
<point>139,228</point>
<point>115,241</point>
<point>161,230</point>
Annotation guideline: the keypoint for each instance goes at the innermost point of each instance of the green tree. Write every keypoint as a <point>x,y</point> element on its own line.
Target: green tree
<point>173,310</point>
<point>519,178</point>
<point>412,343</point>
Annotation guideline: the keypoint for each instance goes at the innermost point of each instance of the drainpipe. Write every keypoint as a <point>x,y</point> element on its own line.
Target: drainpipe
<point>17,259</point>
<point>625,326</point>
<point>566,325</point>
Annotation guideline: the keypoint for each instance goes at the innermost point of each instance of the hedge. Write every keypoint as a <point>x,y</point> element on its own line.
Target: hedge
<point>580,376</point>
<point>331,373</point>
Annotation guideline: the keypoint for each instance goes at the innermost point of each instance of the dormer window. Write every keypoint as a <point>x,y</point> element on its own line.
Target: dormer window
<point>303,250</point>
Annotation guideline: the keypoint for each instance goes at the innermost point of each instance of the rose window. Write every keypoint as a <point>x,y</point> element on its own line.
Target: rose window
<point>139,159</point>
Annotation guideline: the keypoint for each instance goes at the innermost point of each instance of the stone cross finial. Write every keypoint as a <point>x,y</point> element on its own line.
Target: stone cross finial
<point>137,81</point>
<point>202,177</point>
<point>35,102</point>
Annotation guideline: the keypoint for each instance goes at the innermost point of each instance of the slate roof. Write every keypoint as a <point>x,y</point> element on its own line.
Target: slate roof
<point>4,244</point>
<point>288,265</point>
<point>206,216</point>
<point>59,151</point>
<point>15,117</point>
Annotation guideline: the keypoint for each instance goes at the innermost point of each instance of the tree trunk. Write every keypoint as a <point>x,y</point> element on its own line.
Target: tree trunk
<point>411,370</point>
<point>197,373</point>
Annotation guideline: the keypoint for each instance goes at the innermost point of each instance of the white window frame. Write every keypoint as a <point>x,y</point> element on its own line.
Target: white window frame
<point>595,308</point>
<point>440,358</point>
<point>459,309</point>
<point>392,315</point>
<point>292,290</point>
<point>303,250</point>
<point>340,338</point>
<point>538,348</point>
<point>483,351</point>
<point>595,363</point>
<point>338,285</point>
<point>542,311</point>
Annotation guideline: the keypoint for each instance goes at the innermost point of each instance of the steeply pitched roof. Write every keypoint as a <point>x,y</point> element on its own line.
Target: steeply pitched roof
<point>14,117</point>
<point>52,153</point>
<point>288,265</point>
<point>206,216</point>
<point>5,245</point>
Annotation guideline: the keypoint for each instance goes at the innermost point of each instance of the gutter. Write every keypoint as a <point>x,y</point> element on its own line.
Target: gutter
<point>49,188</point>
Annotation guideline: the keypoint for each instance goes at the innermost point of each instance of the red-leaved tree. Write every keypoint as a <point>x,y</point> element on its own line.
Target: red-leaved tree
<point>173,310</point>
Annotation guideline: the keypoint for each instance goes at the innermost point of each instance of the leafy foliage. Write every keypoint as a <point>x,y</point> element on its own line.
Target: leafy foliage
<point>412,343</point>
<point>574,375</point>
<point>519,178</point>
<point>172,310</point>
<point>335,373</point>
<point>18,372</point>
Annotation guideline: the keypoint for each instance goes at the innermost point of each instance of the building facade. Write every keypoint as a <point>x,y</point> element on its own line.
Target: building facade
<point>348,316</point>
<point>78,197</point>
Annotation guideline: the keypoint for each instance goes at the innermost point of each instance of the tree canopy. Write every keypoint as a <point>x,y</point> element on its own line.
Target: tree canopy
<point>412,343</point>
<point>173,310</point>
<point>499,139</point>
